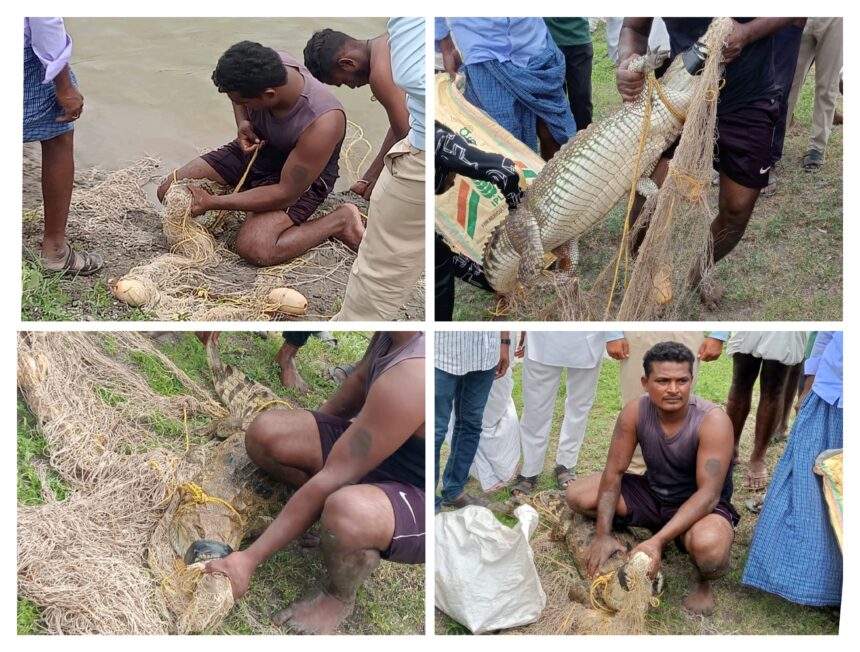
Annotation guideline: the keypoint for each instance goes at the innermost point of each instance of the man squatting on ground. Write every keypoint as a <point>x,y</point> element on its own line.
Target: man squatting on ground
<point>335,59</point>
<point>298,126</point>
<point>685,495</point>
<point>363,479</point>
<point>747,113</point>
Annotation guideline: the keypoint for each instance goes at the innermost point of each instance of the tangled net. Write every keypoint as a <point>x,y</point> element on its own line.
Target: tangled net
<point>573,605</point>
<point>82,560</point>
<point>201,278</point>
<point>676,251</point>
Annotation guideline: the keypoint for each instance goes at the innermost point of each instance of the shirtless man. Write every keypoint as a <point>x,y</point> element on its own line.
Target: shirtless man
<point>336,58</point>
<point>298,126</point>
<point>363,479</point>
<point>685,495</point>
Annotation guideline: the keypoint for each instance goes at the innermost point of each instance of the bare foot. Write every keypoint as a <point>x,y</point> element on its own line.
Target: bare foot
<point>756,476</point>
<point>711,293</point>
<point>290,377</point>
<point>319,615</point>
<point>310,541</point>
<point>353,230</point>
<point>700,599</point>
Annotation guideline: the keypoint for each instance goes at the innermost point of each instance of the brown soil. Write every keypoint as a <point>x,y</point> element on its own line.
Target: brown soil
<point>323,294</point>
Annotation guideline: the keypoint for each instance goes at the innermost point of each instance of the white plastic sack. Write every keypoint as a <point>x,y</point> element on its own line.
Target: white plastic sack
<point>499,448</point>
<point>485,573</point>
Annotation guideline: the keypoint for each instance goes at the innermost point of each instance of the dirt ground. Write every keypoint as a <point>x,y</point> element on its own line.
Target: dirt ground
<point>87,298</point>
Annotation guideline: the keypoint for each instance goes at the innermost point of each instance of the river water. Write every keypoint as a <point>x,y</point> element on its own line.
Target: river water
<point>148,91</point>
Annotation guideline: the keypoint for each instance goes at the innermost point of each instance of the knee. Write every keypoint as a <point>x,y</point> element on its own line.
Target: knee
<point>577,499</point>
<point>709,549</point>
<point>736,212</point>
<point>341,520</point>
<point>263,433</point>
<point>251,250</point>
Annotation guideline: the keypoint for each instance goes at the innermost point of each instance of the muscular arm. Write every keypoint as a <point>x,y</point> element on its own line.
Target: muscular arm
<point>743,34</point>
<point>302,167</point>
<point>609,491</point>
<point>716,446</point>
<point>348,400</point>
<point>617,460</point>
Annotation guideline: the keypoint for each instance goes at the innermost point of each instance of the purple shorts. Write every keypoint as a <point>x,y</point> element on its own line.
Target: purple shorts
<point>407,500</point>
<point>230,163</point>
<point>646,509</point>
<point>743,146</point>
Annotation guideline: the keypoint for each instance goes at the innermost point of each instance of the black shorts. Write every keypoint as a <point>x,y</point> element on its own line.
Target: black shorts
<point>230,163</point>
<point>407,501</point>
<point>744,140</point>
<point>646,509</point>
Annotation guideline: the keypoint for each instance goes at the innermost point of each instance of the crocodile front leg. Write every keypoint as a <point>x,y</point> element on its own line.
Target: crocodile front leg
<point>524,234</point>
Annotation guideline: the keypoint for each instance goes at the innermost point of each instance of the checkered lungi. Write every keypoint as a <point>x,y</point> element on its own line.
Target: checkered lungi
<point>514,97</point>
<point>794,552</point>
<point>41,108</point>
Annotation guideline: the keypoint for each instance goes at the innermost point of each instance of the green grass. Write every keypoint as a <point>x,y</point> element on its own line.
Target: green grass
<point>160,379</point>
<point>788,266</point>
<point>43,298</point>
<point>390,602</point>
<point>29,619</point>
<point>740,610</point>
<point>31,451</point>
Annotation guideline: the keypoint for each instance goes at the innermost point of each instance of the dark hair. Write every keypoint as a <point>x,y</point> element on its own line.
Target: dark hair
<point>321,51</point>
<point>249,68</point>
<point>667,352</point>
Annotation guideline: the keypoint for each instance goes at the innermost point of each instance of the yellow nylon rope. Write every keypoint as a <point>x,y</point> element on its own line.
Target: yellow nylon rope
<point>623,249</point>
<point>194,495</point>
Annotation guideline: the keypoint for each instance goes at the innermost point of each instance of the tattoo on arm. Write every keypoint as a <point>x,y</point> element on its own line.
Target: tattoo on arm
<point>359,443</point>
<point>713,467</point>
<point>299,173</point>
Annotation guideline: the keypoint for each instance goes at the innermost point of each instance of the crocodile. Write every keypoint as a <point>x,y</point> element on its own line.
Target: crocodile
<point>592,172</point>
<point>229,501</point>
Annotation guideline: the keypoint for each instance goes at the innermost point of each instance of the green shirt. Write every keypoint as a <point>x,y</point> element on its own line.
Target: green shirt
<point>569,31</point>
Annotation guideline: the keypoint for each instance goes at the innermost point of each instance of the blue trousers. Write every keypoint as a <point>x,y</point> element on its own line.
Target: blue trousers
<point>467,395</point>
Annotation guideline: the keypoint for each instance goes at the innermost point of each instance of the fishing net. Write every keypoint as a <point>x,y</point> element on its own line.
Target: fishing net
<point>83,559</point>
<point>146,480</point>
<point>201,278</point>
<point>616,602</point>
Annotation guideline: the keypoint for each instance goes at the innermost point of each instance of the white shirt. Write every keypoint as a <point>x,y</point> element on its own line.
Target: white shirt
<point>575,350</point>
<point>459,352</point>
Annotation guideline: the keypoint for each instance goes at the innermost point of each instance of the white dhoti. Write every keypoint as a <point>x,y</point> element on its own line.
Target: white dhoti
<point>580,353</point>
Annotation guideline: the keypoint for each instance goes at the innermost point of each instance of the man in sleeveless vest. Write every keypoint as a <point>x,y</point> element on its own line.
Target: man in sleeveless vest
<point>685,494</point>
<point>297,126</point>
<point>358,466</point>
